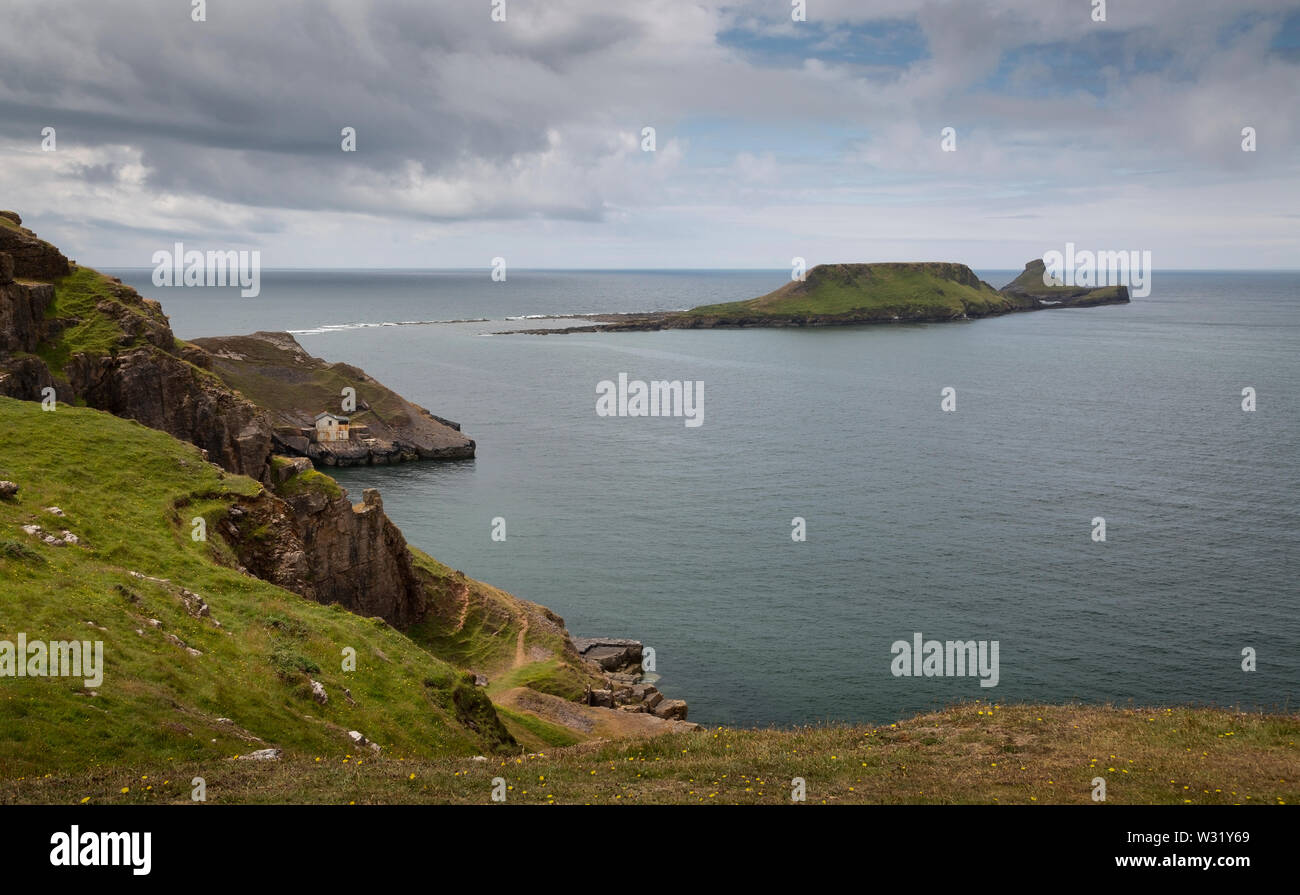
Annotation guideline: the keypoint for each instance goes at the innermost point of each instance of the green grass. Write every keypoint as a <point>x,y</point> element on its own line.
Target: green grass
<point>552,676</point>
<point>310,481</point>
<point>970,754</point>
<point>877,290</point>
<point>90,331</point>
<point>130,494</point>
<point>292,391</point>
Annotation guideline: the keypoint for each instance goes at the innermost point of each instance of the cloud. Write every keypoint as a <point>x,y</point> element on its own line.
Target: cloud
<point>230,128</point>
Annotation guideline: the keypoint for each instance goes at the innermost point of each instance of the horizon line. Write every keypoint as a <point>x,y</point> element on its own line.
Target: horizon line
<point>691,269</point>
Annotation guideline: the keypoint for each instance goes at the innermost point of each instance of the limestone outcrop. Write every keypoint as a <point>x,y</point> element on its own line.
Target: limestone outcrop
<point>311,539</point>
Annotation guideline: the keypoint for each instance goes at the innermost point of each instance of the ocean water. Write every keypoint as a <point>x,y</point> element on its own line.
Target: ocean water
<point>968,525</point>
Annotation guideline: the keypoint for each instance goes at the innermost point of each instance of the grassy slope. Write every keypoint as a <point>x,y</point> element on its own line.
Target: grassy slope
<point>483,628</point>
<point>120,484</point>
<point>972,753</point>
<point>75,298</point>
<point>271,378</point>
<point>882,289</point>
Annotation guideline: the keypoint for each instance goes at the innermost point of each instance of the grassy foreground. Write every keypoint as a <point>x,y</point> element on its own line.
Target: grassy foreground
<point>972,753</point>
<point>131,494</point>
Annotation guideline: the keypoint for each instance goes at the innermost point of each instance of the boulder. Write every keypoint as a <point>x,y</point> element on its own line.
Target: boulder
<point>8,489</point>
<point>33,258</point>
<point>674,709</point>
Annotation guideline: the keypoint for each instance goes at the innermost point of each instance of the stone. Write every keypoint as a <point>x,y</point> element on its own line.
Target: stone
<point>8,489</point>
<point>262,755</point>
<point>610,653</point>
<point>674,709</point>
<point>318,692</point>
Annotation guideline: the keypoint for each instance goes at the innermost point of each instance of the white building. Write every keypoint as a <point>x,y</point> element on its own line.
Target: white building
<point>330,427</point>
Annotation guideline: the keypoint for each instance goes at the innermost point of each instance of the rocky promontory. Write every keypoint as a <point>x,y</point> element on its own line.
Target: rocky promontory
<point>94,340</point>
<point>273,370</point>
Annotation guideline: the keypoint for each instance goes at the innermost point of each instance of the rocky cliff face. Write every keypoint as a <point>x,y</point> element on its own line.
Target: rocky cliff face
<point>136,369</point>
<point>166,392</point>
<point>34,258</point>
<point>22,310</point>
<point>312,540</point>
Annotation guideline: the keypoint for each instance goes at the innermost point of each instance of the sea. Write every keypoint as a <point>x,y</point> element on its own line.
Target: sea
<point>979,523</point>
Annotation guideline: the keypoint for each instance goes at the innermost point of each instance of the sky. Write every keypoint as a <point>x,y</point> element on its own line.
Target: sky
<point>773,138</point>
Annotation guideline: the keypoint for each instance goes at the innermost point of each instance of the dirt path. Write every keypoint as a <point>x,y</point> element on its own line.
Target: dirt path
<point>521,652</point>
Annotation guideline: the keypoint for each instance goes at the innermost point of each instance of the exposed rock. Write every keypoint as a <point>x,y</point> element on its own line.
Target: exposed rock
<point>358,738</point>
<point>318,692</point>
<point>262,755</point>
<point>326,549</point>
<point>33,258</point>
<point>611,654</point>
<point>291,467</point>
<point>164,392</point>
<point>23,306</point>
<point>24,377</point>
<point>194,604</point>
<point>8,489</point>
<point>671,708</point>
<point>55,511</point>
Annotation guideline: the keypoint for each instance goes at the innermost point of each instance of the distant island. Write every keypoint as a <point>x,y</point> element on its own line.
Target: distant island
<point>848,294</point>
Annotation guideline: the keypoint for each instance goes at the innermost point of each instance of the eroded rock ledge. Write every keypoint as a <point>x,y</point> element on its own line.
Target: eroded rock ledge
<point>627,687</point>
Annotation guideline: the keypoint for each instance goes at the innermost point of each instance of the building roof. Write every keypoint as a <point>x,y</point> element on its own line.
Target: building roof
<point>325,413</point>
